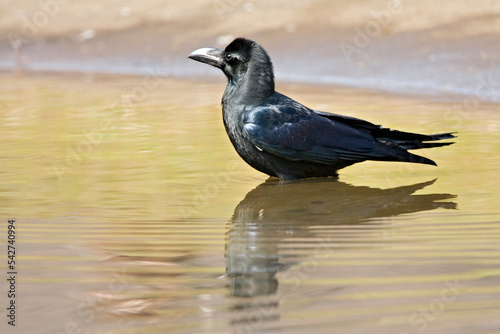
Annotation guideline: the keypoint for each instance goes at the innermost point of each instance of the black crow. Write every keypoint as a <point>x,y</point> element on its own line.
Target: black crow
<point>282,138</point>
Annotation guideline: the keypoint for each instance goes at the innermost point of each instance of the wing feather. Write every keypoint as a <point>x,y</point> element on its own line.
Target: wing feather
<point>299,134</point>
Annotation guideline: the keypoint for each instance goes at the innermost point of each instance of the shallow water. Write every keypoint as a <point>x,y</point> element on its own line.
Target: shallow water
<point>135,215</point>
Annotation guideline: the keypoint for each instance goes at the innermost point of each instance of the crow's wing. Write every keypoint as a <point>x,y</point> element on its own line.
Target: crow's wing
<point>294,132</point>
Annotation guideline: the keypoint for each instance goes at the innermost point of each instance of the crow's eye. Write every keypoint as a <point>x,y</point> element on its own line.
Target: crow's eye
<point>229,57</point>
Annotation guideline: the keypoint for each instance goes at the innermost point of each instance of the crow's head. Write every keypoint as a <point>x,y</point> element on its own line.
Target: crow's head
<point>244,63</point>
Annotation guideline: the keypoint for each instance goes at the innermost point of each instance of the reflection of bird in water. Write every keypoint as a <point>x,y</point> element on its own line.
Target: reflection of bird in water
<point>275,211</point>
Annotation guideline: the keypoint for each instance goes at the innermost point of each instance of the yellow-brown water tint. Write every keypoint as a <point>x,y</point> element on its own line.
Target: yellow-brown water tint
<point>153,228</point>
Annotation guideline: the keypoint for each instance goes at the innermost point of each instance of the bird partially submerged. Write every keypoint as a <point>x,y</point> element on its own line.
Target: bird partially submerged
<point>283,138</point>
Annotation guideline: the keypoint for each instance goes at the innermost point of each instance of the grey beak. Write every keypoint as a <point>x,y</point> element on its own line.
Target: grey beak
<point>210,56</point>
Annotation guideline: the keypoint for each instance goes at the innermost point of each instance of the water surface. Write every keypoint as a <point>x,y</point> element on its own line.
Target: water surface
<point>135,215</point>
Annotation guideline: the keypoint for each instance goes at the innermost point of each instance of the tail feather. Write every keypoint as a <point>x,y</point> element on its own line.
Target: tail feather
<point>418,159</point>
<point>383,133</point>
<point>395,149</point>
<point>440,136</point>
<point>418,145</point>
<point>396,143</point>
<point>387,152</point>
<point>414,140</point>
<point>393,144</point>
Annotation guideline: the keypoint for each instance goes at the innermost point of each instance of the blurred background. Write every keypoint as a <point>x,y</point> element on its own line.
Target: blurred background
<point>424,47</point>
<point>135,215</point>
